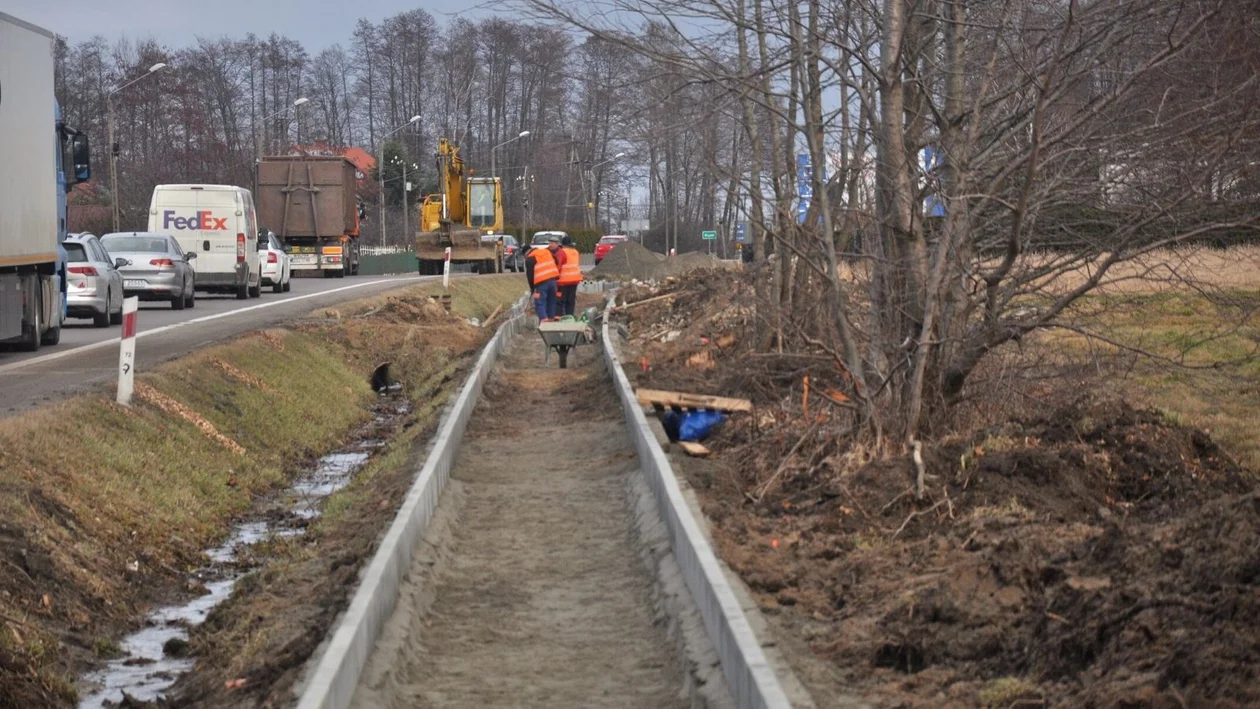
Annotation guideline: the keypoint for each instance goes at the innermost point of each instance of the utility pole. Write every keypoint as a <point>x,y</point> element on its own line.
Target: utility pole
<point>113,162</point>
<point>406,191</point>
<point>524,206</point>
<point>113,146</point>
<point>380,171</point>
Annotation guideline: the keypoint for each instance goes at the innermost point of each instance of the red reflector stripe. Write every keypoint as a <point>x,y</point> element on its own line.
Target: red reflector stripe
<point>129,325</point>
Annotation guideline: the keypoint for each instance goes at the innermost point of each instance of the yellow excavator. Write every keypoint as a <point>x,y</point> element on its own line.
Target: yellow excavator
<point>466,217</point>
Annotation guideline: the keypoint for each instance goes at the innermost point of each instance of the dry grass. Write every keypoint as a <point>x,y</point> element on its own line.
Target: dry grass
<point>1161,271</point>
<point>1210,375</point>
<point>1196,309</point>
<point>102,506</point>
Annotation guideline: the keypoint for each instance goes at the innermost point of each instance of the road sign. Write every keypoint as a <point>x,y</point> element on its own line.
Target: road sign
<point>804,186</point>
<point>708,235</point>
<point>739,232</point>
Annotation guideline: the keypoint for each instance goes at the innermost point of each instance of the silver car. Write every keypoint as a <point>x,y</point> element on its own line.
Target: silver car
<point>157,268</point>
<point>94,286</point>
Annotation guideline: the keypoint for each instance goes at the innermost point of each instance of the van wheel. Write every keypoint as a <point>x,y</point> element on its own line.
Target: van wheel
<point>242,292</point>
<point>256,291</point>
<point>288,286</point>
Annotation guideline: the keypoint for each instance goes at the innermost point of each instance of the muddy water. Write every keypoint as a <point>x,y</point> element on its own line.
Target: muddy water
<point>145,671</point>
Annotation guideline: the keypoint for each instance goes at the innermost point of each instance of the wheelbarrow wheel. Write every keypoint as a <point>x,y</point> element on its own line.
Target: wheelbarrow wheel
<point>564,357</point>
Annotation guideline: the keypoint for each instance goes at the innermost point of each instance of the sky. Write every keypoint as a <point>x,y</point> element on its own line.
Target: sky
<point>315,23</point>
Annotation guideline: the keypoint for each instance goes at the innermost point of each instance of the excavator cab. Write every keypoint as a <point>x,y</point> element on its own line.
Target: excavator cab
<point>485,204</point>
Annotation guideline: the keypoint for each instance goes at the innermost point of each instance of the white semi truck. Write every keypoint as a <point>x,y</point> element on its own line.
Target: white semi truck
<point>34,148</point>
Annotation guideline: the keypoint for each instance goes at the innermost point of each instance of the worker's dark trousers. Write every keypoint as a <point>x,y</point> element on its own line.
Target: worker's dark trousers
<point>545,299</point>
<point>568,300</point>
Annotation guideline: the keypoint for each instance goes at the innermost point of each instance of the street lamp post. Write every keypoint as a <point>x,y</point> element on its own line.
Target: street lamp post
<point>522,134</point>
<point>258,139</point>
<point>590,176</point>
<point>113,153</point>
<point>380,170</point>
<point>406,192</point>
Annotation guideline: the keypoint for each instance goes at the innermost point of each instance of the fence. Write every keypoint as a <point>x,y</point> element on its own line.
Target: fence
<point>380,261</point>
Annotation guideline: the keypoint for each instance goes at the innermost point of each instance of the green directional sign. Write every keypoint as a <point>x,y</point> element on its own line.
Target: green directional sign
<point>708,235</point>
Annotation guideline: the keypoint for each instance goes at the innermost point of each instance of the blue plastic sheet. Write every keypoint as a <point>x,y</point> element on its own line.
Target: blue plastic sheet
<point>692,425</point>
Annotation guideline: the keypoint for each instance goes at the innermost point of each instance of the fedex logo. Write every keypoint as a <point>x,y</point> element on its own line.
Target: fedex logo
<point>204,221</point>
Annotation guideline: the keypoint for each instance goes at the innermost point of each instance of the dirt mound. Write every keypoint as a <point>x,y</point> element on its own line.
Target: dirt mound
<point>632,260</point>
<point>1097,557</point>
<point>1094,556</point>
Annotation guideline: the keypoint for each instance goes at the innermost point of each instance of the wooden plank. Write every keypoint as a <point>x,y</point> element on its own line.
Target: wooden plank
<point>691,401</point>
<point>694,449</point>
<point>654,299</point>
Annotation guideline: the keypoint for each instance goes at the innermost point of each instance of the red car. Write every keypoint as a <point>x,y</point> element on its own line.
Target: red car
<point>605,245</point>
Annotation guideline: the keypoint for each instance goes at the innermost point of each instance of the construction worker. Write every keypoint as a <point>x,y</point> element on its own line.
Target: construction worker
<point>570,277</point>
<point>542,271</point>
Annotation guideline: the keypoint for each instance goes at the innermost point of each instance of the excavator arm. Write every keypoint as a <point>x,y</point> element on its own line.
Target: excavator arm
<point>456,217</point>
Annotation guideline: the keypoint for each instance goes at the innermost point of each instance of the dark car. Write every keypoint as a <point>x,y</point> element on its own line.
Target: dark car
<point>513,257</point>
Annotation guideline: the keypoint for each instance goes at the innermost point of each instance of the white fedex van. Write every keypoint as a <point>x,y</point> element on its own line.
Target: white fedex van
<point>218,223</point>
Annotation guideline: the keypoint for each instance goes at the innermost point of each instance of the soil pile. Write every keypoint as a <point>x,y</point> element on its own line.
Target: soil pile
<point>1095,556</point>
<point>632,260</point>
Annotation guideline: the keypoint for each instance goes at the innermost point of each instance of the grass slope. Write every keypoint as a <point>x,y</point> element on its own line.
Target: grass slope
<point>104,509</point>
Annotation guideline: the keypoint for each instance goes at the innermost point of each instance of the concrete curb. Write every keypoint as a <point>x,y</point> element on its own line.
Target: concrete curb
<point>334,678</point>
<point>749,674</point>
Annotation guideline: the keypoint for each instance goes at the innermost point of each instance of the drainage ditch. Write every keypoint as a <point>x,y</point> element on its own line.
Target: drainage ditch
<point>153,658</point>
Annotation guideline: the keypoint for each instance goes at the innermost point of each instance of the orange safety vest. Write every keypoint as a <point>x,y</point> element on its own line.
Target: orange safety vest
<point>545,268</point>
<point>571,271</point>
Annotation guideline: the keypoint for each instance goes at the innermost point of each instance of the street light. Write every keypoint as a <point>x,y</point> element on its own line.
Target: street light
<point>380,171</point>
<point>590,204</point>
<point>522,134</point>
<point>618,156</point>
<point>113,153</point>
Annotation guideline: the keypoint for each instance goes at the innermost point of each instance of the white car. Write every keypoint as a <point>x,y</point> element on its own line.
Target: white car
<point>275,263</point>
<point>94,286</point>
<point>541,238</point>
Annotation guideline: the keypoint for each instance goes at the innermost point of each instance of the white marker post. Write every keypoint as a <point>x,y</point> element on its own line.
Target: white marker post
<point>127,351</point>
<point>446,268</point>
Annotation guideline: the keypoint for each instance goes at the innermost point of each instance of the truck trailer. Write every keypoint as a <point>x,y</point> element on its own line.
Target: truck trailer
<point>33,184</point>
<point>309,201</point>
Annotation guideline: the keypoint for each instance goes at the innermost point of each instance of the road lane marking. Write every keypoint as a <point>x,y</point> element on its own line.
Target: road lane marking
<point>206,318</point>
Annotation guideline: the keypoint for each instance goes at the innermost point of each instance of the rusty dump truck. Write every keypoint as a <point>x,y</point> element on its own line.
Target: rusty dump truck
<point>464,217</point>
<point>310,202</point>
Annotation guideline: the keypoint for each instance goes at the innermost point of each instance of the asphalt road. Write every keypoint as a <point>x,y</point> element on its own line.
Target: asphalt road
<point>88,357</point>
